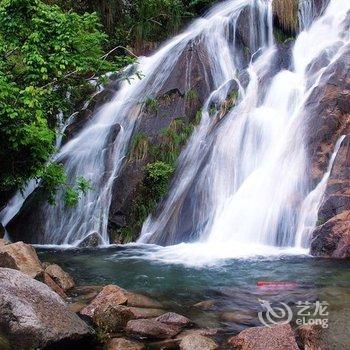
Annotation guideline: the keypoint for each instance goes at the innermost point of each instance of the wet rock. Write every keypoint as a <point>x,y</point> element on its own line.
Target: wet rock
<point>46,278</point>
<point>2,231</point>
<point>237,317</point>
<point>332,239</point>
<point>332,236</point>
<point>206,305</point>
<point>152,329</point>
<point>172,103</point>
<point>327,113</point>
<point>76,307</point>
<point>174,319</point>
<point>197,342</point>
<point>140,312</point>
<point>3,242</point>
<point>168,344</point>
<point>142,301</point>
<point>22,257</point>
<point>33,316</point>
<point>111,318</point>
<point>206,332</point>
<point>110,295</point>
<point>62,278</point>
<point>311,338</point>
<point>86,293</point>
<point>277,337</point>
<point>124,344</point>
<point>91,241</point>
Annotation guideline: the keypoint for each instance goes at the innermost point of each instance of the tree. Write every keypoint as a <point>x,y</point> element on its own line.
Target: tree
<point>46,57</point>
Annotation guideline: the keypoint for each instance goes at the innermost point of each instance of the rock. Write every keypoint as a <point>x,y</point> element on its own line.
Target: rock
<point>91,241</point>
<point>332,236</point>
<point>277,337</point>
<point>46,278</point>
<point>207,332</point>
<point>140,312</point>
<point>197,342</point>
<point>205,305</point>
<point>86,293</point>
<point>327,110</point>
<point>167,344</point>
<point>2,231</point>
<point>311,338</point>
<point>33,316</point>
<point>76,307</point>
<point>142,301</point>
<point>172,104</point>
<point>3,242</point>
<point>237,317</point>
<point>22,257</point>
<point>124,344</point>
<point>62,278</point>
<point>152,329</point>
<point>332,239</point>
<point>112,318</point>
<point>110,295</point>
<point>175,319</point>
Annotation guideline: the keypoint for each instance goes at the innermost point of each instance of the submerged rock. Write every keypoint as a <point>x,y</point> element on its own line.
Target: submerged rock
<point>124,344</point>
<point>277,337</point>
<point>142,301</point>
<point>152,329</point>
<point>174,319</point>
<point>22,257</point>
<point>62,278</point>
<point>140,312</point>
<point>197,342</point>
<point>33,316</point>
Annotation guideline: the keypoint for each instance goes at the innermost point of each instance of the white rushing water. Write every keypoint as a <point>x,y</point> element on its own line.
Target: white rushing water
<point>243,172</point>
<point>254,184</point>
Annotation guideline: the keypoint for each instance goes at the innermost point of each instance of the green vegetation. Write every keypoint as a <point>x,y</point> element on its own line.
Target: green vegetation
<point>47,56</point>
<point>191,95</point>
<point>160,157</point>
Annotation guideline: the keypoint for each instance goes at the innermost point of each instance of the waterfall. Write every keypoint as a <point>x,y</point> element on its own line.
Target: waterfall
<point>244,181</point>
<point>241,179</point>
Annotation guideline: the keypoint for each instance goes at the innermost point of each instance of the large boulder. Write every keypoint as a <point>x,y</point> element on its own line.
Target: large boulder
<point>277,337</point>
<point>22,257</point>
<point>33,316</point>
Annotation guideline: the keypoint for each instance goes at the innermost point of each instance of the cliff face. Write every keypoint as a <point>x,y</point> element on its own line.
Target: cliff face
<point>328,111</point>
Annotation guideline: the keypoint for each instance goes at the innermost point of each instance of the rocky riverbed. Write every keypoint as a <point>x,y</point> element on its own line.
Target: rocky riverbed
<point>43,307</point>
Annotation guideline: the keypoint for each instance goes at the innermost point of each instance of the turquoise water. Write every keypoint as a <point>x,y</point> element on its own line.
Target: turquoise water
<point>231,286</point>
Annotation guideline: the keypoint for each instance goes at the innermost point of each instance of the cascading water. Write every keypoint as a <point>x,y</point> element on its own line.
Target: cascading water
<point>241,179</point>
<point>253,183</point>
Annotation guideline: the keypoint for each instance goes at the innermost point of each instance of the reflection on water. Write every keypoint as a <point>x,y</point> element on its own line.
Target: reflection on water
<point>230,287</point>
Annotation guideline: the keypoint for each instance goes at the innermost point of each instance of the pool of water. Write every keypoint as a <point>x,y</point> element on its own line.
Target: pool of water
<point>232,288</point>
